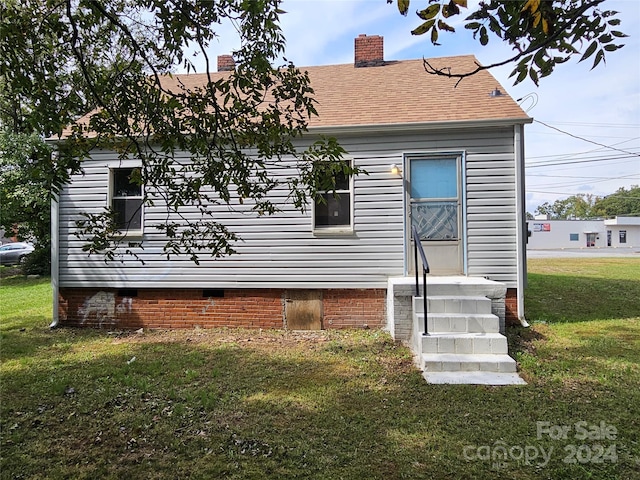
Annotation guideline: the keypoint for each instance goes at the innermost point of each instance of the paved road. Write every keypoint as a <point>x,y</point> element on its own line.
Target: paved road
<point>584,252</point>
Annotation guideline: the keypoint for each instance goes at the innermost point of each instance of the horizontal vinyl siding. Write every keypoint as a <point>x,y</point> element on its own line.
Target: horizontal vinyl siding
<point>281,251</point>
<point>278,251</point>
<point>491,212</point>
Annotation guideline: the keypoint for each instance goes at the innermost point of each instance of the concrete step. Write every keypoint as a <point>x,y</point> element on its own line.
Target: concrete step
<point>453,304</point>
<point>460,322</point>
<point>455,285</point>
<point>473,378</point>
<point>470,343</point>
<point>461,362</point>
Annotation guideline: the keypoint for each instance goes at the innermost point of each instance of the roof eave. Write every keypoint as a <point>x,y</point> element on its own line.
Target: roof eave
<point>417,126</point>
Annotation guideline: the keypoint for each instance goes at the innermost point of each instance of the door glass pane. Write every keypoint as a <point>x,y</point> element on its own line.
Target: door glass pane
<point>435,220</point>
<point>434,178</point>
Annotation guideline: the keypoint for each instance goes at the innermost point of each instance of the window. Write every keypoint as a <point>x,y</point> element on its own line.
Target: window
<point>435,192</point>
<point>574,237</point>
<point>333,212</point>
<point>126,199</point>
<point>623,236</point>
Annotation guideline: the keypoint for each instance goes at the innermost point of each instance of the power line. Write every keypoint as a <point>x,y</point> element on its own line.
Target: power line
<point>584,178</point>
<point>569,155</point>
<point>601,180</point>
<point>565,194</point>
<point>586,139</point>
<point>556,158</point>
<point>606,125</point>
<point>607,159</point>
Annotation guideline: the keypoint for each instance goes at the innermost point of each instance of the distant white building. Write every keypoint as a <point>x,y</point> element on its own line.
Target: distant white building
<point>623,232</point>
<point>619,232</point>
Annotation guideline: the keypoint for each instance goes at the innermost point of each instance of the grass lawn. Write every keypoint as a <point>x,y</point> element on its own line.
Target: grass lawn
<point>243,404</point>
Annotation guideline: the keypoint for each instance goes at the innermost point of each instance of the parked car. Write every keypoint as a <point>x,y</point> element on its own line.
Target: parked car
<point>14,253</point>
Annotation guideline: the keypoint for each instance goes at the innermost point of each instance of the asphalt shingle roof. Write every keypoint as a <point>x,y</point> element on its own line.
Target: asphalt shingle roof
<point>396,93</point>
<point>399,92</point>
<point>403,92</point>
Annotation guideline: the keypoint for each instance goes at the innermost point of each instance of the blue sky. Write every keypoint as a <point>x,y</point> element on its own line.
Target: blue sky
<point>601,105</point>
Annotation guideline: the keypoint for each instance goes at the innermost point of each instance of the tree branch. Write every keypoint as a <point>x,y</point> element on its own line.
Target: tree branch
<point>430,69</point>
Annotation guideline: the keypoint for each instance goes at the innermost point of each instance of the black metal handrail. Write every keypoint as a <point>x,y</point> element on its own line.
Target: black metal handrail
<point>417,247</point>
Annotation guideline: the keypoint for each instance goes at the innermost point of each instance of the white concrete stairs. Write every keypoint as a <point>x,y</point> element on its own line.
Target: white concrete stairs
<point>463,344</point>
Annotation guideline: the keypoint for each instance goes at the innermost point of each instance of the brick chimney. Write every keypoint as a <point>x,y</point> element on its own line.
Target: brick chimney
<point>226,63</point>
<point>369,51</point>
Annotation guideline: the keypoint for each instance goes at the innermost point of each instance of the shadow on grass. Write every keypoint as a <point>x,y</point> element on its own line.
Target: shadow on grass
<point>204,406</point>
<point>554,298</point>
<point>217,409</point>
<point>22,342</point>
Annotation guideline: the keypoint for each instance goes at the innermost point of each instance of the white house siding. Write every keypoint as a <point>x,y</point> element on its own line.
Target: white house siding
<point>281,251</point>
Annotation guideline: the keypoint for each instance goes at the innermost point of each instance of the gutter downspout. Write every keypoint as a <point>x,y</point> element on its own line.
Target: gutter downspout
<point>55,254</point>
<point>521,224</point>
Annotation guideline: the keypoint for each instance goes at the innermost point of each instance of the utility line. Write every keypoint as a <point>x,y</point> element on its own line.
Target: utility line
<point>583,159</point>
<point>575,177</point>
<point>551,164</point>
<point>586,139</point>
<point>574,183</point>
<point>565,194</point>
<point>569,155</point>
<point>607,125</point>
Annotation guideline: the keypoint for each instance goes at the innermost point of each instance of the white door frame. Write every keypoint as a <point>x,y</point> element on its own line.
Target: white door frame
<point>462,220</point>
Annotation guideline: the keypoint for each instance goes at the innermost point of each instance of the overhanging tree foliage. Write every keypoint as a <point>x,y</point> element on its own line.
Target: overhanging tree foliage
<point>542,33</point>
<point>117,55</point>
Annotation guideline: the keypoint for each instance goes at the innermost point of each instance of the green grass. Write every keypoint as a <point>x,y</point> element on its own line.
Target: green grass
<point>245,404</point>
<point>576,290</point>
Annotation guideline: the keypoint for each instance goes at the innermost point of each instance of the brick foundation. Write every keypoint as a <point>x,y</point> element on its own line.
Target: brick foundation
<point>354,308</point>
<point>188,308</point>
<point>511,307</point>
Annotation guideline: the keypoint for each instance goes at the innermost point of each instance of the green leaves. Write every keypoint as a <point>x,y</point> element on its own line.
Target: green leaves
<point>113,59</point>
<point>543,34</point>
<point>434,24</point>
<point>424,28</point>
<point>403,6</point>
<point>429,13</point>
<point>585,206</point>
<point>589,51</point>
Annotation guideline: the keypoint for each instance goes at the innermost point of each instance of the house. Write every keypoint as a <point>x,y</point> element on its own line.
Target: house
<point>618,232</point>
<point>447,159</point>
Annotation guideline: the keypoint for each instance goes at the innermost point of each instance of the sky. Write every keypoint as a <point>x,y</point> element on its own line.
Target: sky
<point>601,106</point>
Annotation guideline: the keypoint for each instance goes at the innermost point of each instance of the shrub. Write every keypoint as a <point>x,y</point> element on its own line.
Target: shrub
<point>38,262</point>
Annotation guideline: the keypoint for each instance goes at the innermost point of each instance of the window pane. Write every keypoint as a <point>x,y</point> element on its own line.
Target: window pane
<point>333,211</point>
<point>435,220</point>
<point>128,213</point>
<point>434,178</point>
<point>342,181</point>
<point>122,183</point>
<point>623,236</point>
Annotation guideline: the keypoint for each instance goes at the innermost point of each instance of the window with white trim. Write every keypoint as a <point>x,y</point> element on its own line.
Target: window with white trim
<point>126,200</point>
<point>333,212</point>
